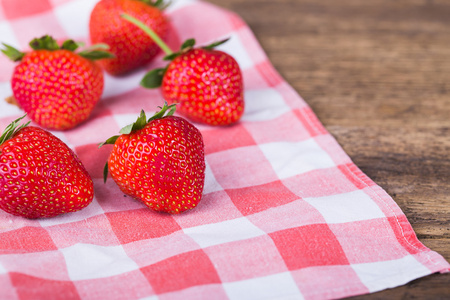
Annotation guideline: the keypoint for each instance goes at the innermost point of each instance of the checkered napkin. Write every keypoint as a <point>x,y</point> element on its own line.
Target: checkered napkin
<point>285,212</point>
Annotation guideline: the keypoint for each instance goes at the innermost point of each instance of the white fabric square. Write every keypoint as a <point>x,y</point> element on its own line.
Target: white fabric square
<point>91,210</point>
<point>116,85</point>
<point>150,298</point>
<point>211,184</point>
<point>347,207</point>
<point>279,286</point>
<point>235,48</point>
<point>7,36</point>
<point>5,108</point>
<point>224,232</point>
<point>5,91</point>
<point>378,276</point>
<point>289,159</point>
<point>263,104</point>
<point>74,17</point>
<point>85,261</point>
<point>126,119</point>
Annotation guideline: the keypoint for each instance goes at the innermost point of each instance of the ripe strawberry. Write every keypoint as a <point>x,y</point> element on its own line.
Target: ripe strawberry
<point>130,45</point>
<point>206,83</point>
<point>159,161</point>
<point>39,175</point>
<point>55,86</point>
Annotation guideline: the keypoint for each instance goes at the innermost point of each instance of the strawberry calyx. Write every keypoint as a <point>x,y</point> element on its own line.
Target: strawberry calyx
<point>189,45</point>
<point>141,121</point>
<point>12,53</point>
<point>12,129</point>
<point>46,42</point>
<point>153,79</point>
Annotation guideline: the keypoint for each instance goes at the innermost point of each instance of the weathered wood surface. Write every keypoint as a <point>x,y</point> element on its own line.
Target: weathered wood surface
<point>377,74</point>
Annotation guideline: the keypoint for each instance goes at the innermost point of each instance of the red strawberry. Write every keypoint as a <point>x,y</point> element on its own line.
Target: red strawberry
<point>131,46</point>
<point>159,161</point>
<point>206,83</point>
<point>39,175</point>
<point>55,86</point>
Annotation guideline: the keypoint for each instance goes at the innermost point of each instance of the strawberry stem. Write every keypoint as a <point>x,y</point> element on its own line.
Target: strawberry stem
<point>148,31</point>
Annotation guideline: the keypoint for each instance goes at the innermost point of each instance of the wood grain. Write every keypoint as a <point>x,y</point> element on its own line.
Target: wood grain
<point>377,74</point>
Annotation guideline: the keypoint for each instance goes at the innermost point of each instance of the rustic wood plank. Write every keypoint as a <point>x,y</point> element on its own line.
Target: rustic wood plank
<point>377,74</point>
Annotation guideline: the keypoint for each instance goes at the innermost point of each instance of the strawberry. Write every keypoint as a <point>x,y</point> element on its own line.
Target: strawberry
<point>39,175</point>
<point>159,161</point>
<point>206,83</point>
<point>55,86</point>
<point>130,45</point>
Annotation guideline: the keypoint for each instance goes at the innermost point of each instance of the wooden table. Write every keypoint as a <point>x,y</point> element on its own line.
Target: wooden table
<point>377,74</point>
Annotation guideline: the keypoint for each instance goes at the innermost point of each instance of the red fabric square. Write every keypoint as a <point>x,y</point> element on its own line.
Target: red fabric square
<point>286,128</point>
<point>141,224</point>
<point>46,264</point>
<point>181,272</point>
<point>356,176</point>
<point>269,74</point>
<point>129,285</point>
<point>210,291</point>
<point>307,246</point>
<point>26,239</point>
<point>35,26</point>
<point>59,2</point>
<point>360,246</point>
<point>224,138</point>
<point>94,158</point>
<point>319,183</point>
<point>94,230</point>
<point>310,121</point>
<point>30,287</point>
<point>405,235</point>
<point>262,258</point>
<point>335,282</point>
<point>22,8</point>
<point>261,197</point>
<point>237,23</point>
<point>241,167</point>
<point>2,14</point>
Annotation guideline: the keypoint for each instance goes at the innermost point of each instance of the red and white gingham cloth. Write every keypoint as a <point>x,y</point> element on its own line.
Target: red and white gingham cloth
<point>285,212</point>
